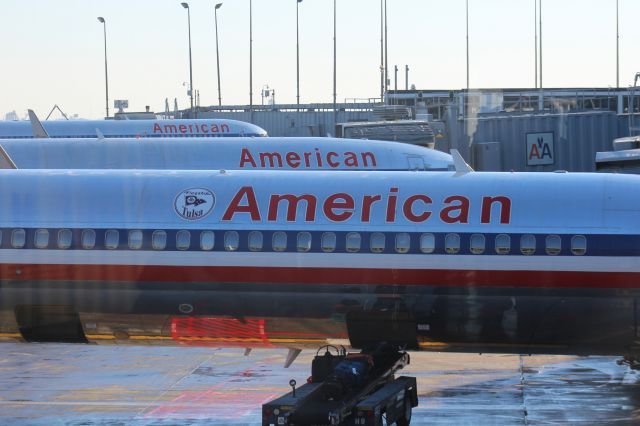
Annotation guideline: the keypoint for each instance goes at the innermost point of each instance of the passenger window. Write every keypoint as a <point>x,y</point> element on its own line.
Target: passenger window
<point>328,242</point>
<point>64,238</point>
<point>353,242</point>
<point>111,239</point>
<point>528,244</point>
<point>403,242</point>
<point>159,240</point>
<point>476,244</point>
<point>578,245</point>
<point>377,242</point>
<point>135,239</point>
<point>304,241</point>
<point>41,238</point>
<point>231,241</point>
<point>279,242</point>
<point>553,244</point>
<point>207,240</point>
<point>255,241</point>
<point>427,243</point>
<point>503,244</point>
<point>88,239</point>
<point>452,243</point>
<point>183,240</point>
<point>18,238</point>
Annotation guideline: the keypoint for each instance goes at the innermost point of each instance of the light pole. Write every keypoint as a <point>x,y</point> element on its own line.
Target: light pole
<point>251,61</point>
<point>467,19</point>
<point>386,51</point>
<point>297,53</point>
<point>381,51</point>
<point>617,46</point>
<point>186,6</point>
<point>334,60</point>
<point>540,34</point>
<point>215,12</point>
<point>106,76</point>
<point>535,38</point>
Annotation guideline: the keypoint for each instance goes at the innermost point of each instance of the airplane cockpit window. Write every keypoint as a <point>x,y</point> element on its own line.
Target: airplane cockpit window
<point>64,238</point>
<point>553,244</point>
<point>88,239</point>
<point>41,238</point>
<point>279,242</point>
<point>135,239</point>
<point>452,243</point>
<point>159,240</point>
<point>503,244</point>
<point>377,242</point>
<point>528,244</point>
<point>255,241</point>
<point>207,240</point>
<point>476,244</point>
<point>328,242</point>
<point>111,239</point>
<point>427,243</point>
<point>18,238</point>
<point>183,240</point>
<point>353,242</point>
<point>578,245</point>
<point>403,242</point>
<point>304,241</point>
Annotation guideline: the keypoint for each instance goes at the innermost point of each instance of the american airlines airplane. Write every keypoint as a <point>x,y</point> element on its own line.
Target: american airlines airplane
<point>226,153</point>
<point>130,128</point>
<point>443,261</point>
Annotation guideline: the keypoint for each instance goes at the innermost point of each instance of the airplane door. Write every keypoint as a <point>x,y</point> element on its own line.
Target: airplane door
<point>415,162</point>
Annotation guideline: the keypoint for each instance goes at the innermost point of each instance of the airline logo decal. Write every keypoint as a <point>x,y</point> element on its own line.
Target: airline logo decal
<point>343,207</point>
<point>315,159</point>
<point>540,149</point>
<point>194,203</point>
<point>190,128</point>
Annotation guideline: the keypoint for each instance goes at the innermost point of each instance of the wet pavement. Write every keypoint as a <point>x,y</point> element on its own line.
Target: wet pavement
<point>56,384</point>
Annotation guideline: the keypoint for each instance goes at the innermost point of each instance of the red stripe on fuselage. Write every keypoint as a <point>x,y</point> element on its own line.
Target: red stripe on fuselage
<point>347,276</point>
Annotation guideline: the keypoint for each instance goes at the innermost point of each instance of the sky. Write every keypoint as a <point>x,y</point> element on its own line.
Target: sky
<point>53,50</point>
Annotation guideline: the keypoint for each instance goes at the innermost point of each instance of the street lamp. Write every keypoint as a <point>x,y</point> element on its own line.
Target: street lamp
<point>617,46</point>
<point>297,53</point>
<point>106,76</point>
<point>186,6</point>
<point>334,60</point>
<point>218,52</point>
<point>251,61</point>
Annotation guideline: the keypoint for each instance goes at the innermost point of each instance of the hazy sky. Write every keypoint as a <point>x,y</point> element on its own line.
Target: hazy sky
<point>52,51</point>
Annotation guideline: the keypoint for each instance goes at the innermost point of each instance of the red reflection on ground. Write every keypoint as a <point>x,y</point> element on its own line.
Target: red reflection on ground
<point>226,332</point>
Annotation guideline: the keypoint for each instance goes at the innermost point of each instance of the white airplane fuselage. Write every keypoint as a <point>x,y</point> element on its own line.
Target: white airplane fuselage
<point>480,262</point>
<point>133,128</point>
<point>298,154</point>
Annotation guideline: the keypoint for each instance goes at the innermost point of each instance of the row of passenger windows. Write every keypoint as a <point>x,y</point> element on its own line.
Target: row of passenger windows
<point>478,243</point>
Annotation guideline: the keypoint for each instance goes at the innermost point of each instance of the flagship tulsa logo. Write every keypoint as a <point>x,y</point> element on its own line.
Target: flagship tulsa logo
<point>194,203</point>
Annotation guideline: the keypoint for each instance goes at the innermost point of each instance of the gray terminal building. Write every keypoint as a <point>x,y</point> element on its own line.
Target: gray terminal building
<point>494,129</point>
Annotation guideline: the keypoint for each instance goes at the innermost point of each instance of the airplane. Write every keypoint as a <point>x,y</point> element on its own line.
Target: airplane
<point>127,128</point>
<point>444,261</point>
<point>226,153</point>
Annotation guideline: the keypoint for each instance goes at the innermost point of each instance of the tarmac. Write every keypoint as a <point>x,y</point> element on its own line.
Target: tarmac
<point>75,384</point>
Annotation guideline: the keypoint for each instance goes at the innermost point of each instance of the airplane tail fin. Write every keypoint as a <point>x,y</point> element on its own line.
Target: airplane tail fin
<point>460,165</point>
<point>36,126</point>
<point>5,160</point>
